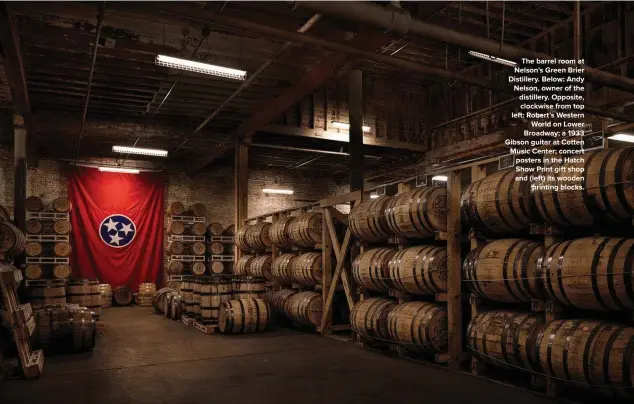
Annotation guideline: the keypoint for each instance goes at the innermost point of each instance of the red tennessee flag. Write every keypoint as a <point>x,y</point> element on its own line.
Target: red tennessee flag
<point>117,226</point>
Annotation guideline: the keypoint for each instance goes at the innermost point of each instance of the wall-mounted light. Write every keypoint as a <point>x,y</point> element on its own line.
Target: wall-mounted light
<point>373,196</point>
<point>490,58</point>
<point>120,170</point>
<point>439,178</point>
<point>346,126</point>
<point>140,150</point>
<point>622,137</point>
<point>199,67</point>
<point>278,191</point>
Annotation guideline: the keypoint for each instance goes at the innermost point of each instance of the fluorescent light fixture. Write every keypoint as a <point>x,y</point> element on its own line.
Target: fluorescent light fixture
<point>439,178</point>
<point>346,126</point>
<point>490,58</point>
<point>373,196</point>
<point>622,137</point>
<point>199,67</point>
<point>278,191</point>
<point>119,170</point>
<point>139,150</point>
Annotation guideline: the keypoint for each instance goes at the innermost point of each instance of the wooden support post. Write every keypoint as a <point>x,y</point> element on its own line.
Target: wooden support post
<point>478,173</point>
<point>454,270</point>
<point>355,117</point>
<point>326,274</point>
<point>241,197</point>
<point>19,166</point>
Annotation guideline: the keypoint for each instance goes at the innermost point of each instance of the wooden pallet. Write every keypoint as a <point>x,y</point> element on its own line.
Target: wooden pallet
<point>206,328</point>
<point>188,321</point>
<point>20,317</point>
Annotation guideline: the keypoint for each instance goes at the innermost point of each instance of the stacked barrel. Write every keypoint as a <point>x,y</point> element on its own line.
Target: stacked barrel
<point>402,270</point>
<point>220,242</point>
<point>568,300</point>
<point>185,249</point>
<point>48,232</point>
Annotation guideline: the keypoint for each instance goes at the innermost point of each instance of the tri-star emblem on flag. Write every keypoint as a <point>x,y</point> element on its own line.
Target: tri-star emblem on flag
<point>117,230</point>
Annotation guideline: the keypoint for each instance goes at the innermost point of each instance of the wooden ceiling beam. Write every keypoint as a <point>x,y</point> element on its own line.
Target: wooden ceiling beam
<point>14,67</point>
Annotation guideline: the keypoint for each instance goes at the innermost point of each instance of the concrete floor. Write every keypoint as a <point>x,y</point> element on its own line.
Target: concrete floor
<point>145,358</point>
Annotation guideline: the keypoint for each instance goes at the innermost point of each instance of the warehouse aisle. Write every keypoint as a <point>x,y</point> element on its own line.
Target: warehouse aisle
<point>144,358</point>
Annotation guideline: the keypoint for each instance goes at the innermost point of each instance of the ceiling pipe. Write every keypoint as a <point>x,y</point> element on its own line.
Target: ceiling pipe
<point>401,20</point>
<point>301,149</point>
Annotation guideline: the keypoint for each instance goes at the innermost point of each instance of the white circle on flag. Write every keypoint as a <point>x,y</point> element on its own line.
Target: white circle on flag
<point>117,231</point>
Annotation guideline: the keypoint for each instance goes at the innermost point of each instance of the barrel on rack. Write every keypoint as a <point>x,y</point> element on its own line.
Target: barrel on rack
<point>59,249</point>
<point>505,270</point>
<point>34,204</point>
<point>418,213</point>
<point>47,292</point>
<point>197,209</point>
<point>61,271</point>
<point>106,295</point>
<point>245,287</point>
<point>368,317</point>
<point>308,269</point>
<point>67,327</point>
<point>241,238</point>
<point>244,316</point>
<point>281,232</point>
<point>505,339</point>
<point>498,204</point>
<point>420,270</point>
<point>122,295</point>
<point>196,229</point>
<point>258,237</point>
<point>279,300</point>
<point>85,293</point>
<point>282,268</point>
<point>146,293</point>
<point>61,205</point>
<point>419,326</point>
<point>216,267</point>
<point>589,352</point>
<point>176,209</point>
<point>607,194</point>
<point>33,271</point>
<point>306,230</point>
<point>12,240</point>
<point>175,267</point>
<point>243,266</point>
<point>371,269</point>
<point>367,220</point>
<point>179,248</point>
<point>187,295</point>
<point>592,273</point>
<point>305,308</point>
<point>215,229</point>
<point>197,268</point>
<point>175,227</point>
<point>33,226</point>
<point>261,267</point>
<point>229,230</point>
<point>213,292</point>
<point>216,248</point>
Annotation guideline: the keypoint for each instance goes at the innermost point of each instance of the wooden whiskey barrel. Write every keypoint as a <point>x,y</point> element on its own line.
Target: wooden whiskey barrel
<point>160,300</point>
<point>187,295</point>
<point>215,229</point>
<point>217,248</point>
<point>368,317</point>
<point>198,268</point>
<point>419,326</point>
<point>505,339</point>
<point>175,248</point>
<point>61,205</point>
<point>607,195</point>
<point>280,232</point>
<point>245,287</point>
<point>175,227</point>
<point>33,226</point>
<point>505,270</point>
<point>33,271</point>
<point>418,213</point>
<point>371,270</point>
<point>308,268</point>
<point>306,230</point>
<point>4,213</point>
<point>498,204</point>
<point>589,352</point>
<point>85,293</point>
<point>241,238</point>
<point>34,204</point>
<point>175,267</point>
<point>64,327</point>
<point>12,240</point>
<point>47,292</point>
<point>106,295</point>
<point>261,267</point>
<point>35,249</point>
<point>197,229</point>
<point>196,298</point>
<point>243,266</point>
<point>282,268</point>
<point>61,271</point>
<point>176,209</point>
<point>197,248</point>
<point>146,293</point>
<point>258,237</point>
<point>213,292</point>
<point>420,270</point>
<point>216,267</point>
<point>592,273</point>
<point>367,220</point>
<point>122,295</point>
<point>197,209</point>
<point>62,227</point>
<point>230,230</point>
<point>306,308</point>
<point>280,299</point>
<point>244,316</point>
